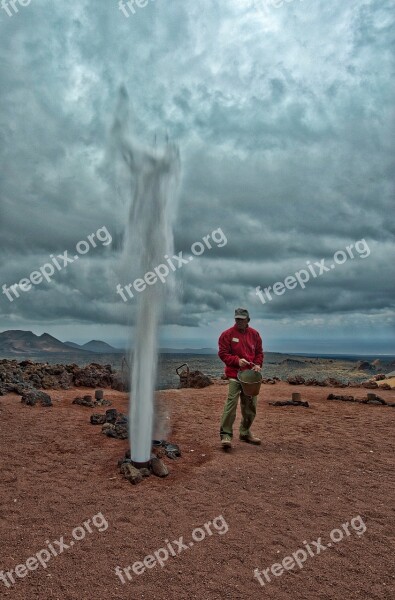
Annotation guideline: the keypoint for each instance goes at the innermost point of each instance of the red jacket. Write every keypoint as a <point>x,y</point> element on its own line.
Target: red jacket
<point>235,344</point>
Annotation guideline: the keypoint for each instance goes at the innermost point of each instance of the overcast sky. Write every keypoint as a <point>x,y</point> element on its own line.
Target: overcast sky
<point>284,121</point>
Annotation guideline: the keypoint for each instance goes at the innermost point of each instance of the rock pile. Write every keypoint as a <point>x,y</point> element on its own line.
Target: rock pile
<point>370,399</point>
<point>88,400</point>
<point>31,398</point>
<point>271,380</point>
<point>114,424</point>
<point>371,384</point>
<point>28,375</point>
<point>194,379</point>
<point>385,386</point>
<point>134,475</point>
<point>289,403</point>
<point>155,466</point>
<point>93,375</point>
<point>379,377</point>
<point>296,380</point>
<point>329,382</point>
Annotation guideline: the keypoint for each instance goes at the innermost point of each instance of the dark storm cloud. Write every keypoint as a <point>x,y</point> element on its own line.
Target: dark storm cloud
<point>285,124</point>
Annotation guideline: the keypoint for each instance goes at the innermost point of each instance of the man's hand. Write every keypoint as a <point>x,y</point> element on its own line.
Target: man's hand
<point>256,368</point>
<point>243,362</point>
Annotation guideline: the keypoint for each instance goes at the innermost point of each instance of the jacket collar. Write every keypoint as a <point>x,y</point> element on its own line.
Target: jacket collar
<point>238,330</point>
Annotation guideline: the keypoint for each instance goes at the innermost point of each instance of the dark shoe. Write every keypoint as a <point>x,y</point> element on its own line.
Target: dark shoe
<point>226,441</point>
<point>250,439</point>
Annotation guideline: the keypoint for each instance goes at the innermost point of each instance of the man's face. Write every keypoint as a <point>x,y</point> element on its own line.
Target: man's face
<point>241,324</point>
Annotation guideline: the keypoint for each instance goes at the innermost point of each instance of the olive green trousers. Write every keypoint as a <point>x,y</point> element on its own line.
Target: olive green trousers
<point>247,406</point>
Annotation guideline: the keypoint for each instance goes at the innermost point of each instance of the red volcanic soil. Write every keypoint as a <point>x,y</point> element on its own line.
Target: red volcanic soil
<point>317,468</point>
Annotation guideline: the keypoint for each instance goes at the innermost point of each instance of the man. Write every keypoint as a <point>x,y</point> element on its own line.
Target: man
<point>240,348</point>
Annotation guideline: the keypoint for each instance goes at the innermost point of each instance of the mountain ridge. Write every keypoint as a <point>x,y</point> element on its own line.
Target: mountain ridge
<point>19,342</point>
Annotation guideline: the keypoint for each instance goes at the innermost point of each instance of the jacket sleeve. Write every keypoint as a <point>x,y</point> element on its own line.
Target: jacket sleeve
<point>259,355</point>
<point>231,360</point>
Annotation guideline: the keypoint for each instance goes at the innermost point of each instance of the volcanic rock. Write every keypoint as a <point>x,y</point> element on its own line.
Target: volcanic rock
<point>120,383</point>
<point>88,400</point>
<point>289,403</point>
<point>111,415</point>
<point>55,376</point>
<point>194,379</point>
<point>171,450</point>
<point>296,380</point>
<point>385,386</point>
<point>97,419</point>
<point>119,432</point>
<point>107,427</point>
<point>145,472</point>
<point>332,382</point>
<point>158,467</point>
<point>85,401</point>
<point>373,399</point>
<point>122,419</point>
<point>103,402</point>
<point>93,375</point>
<point>370,385</point>
<point>370,399</point>
<point>17,388</point>
<point>311,382</point>
<point>115,424</point>
<point>159,452</point>
<point>32,397</point>
<point>131,473</point>
<point>344,398</point>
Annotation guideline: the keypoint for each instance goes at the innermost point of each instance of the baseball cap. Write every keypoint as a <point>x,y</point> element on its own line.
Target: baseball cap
<point>241,313</point>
